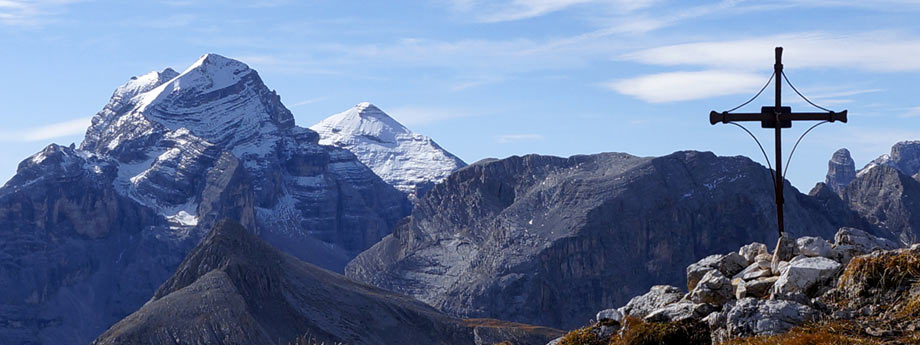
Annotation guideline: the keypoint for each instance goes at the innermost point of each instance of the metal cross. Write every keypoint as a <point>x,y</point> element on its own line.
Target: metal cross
<point>777,117</point>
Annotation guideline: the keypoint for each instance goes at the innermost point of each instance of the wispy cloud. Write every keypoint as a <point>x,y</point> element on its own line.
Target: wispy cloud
<point>513,138</point>
<point>30,13</point>
<point>910,112</point>
<point>51,131</point>
<point>419,115</point>
<point>307,101</point>
<point>683,86</point>
<point>875,51</point>
<point>502,10</point>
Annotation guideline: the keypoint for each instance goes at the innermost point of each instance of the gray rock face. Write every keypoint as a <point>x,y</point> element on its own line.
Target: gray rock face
<point>841,170</point>
<point>888,199</point>
<point>751,316</point>
<point>88,233</point>
<point>904,156</point>
<point>233,288</point>
<point>548,240</point>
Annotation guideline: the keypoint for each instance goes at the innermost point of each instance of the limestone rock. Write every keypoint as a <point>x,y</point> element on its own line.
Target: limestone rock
<point>814,246</point>
<point>758,288</point>
<point>658,296</point>
<point>785,250</point>
<point>751,316</point>
<point>803,275</point>
<point>714,288</point>
<point>609,315</point>
<point>727,264</point>
<point>680,311</point>
<point>859,242</point>
<point>752,250</point>
<point>755,270</point>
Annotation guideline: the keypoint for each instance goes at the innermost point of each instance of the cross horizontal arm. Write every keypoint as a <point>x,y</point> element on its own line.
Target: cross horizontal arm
<point>725,117</point>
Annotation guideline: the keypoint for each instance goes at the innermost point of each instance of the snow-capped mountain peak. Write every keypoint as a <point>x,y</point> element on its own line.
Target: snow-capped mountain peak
<point>143,83</point>
<point>217,99</point>
<point>365,119</point>
<point>410,162</point>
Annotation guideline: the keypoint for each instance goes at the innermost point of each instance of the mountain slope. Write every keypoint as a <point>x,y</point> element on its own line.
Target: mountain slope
<point>88,233</point>
<point>235,289</point>
<point>543,240</point>
<point>411,162</point>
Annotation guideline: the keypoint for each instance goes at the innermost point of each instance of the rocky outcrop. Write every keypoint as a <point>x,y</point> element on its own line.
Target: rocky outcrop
<point>87,233</point>
<point>233,288</point>
<point>807,288</point>
<point>542,240</point>
<point>841,170</point>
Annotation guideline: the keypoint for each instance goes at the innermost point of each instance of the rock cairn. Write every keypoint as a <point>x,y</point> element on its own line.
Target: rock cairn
<point>752,291</point>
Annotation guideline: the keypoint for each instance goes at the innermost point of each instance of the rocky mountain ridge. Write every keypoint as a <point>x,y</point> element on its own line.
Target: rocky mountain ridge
<point>234,288</point>
<point>543,240</point>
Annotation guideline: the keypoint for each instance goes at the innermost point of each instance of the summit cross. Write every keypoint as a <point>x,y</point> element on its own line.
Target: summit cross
<point>778,117</point>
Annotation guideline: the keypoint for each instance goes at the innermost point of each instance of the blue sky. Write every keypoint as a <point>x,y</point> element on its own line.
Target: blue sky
<point>489,78</point>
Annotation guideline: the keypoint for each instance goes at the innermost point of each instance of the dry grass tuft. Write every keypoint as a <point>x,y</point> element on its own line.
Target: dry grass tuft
<point>639,332</point>
<point>583,336</point>
<point>885,271</point>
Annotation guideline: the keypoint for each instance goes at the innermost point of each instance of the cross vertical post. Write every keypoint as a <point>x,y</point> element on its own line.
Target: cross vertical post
<point>777,117</point>
<point>778,112</point>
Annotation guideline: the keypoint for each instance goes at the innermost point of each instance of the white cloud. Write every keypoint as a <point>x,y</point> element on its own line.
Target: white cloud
<point>501,11</point>
<point>29,12</point>
<point>491,11</point>
<point>415,115</point>
<point>513,138</point>
<point>875,51</point>
<point>55,130</point>
<point>308,101</point>
<point>910,112</point>
<point>682,86</point>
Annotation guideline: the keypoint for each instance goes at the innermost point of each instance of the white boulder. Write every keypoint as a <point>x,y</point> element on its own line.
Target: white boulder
<point>727,264</point>
<point>714,288</point>
<point>814,246</point>
<point>609,315</point>
<point>802,274</point>
<point>858,242</point>
<point>751,316</point>
<point>750,251</point>
<point>658,296</point>
<point>680,311</point>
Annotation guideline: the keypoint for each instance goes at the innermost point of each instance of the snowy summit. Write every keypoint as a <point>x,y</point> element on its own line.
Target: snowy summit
<point>409,161</point>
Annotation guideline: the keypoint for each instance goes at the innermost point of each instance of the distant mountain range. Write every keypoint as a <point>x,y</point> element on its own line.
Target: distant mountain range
<point>88,233</point>
<point>92,234</point>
